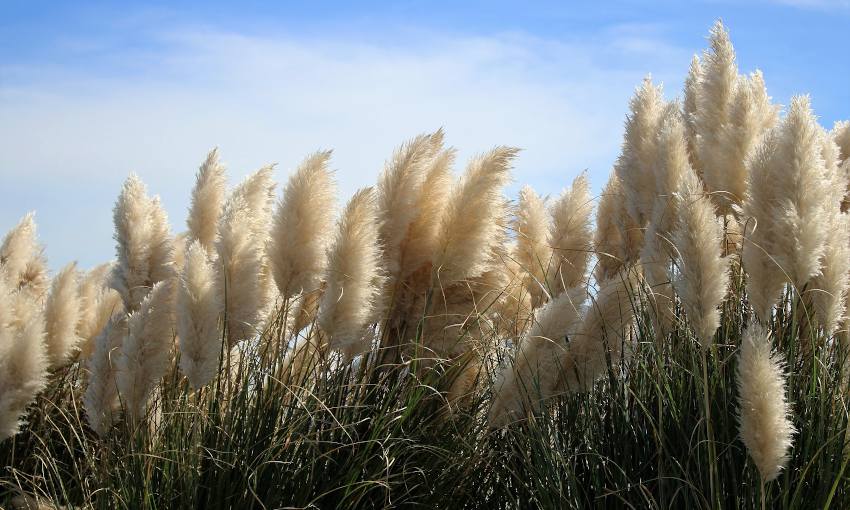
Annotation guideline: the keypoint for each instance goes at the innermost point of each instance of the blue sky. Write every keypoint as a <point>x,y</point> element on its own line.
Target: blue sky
<point>90,91</point>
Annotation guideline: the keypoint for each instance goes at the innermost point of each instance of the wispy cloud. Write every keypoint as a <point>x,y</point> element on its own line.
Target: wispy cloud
<point>78,130</point>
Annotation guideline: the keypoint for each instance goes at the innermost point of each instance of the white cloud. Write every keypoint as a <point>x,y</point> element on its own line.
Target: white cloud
<point>70,136</point>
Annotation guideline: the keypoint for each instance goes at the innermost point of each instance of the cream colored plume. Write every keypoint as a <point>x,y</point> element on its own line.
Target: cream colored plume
<point>397,195</point>
<point>635,166</point>
<point>765,426</point>
<point>474,217</point>
<point>61,315</point>
<point>198,309</point>
<point>617,240</point>
<point>242,281</point>
<point>302,228</point>
<point>841,134</point>
<point>717,87</point>
<point>829,288</point>
<point>421,243</point>
<point>23,361</point>
<point>534,374</point>
<point>22,258</point>
<point>602,334</point>
<point>207,201</point>
<point>101,397</point>
<point>703,271</point>
<point>144,354</point>
<point>257,193</point>
<point>143,243</point>
<point>351,300</point>
<point>689,105</point>
<point>532,251</point>
<point>97,304</point>
<point>765,277</point>
<point>570,237</point>
<point>750,116</point>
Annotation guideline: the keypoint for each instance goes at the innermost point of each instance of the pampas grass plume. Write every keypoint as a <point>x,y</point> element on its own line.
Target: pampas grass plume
<point>570,237</point>
<point>207,201</point>
<point>198,308</point>
<point>61,315</point>
<point>101,397</point>
<point>302,228</point>
<point>470,227</point>
<point>704,272</point>
<point>764,423</point>
<point>532,251</point>
<point>537,366</point>
<point>23,361</point>
<point>354,280</point>
<point>145,353</point>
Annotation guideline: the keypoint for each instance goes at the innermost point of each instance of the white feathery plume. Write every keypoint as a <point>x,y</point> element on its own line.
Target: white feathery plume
<point>532,251</point>
<point>61,315</point>
<point>22,258</point>
<point>143,243</point>
<point>101,397</point>
<point>617,240</point>
<point>474,217</point>
<point>829,288</point>
<point>764,276</point>
<point>97,304</point>
<point>751,114</point>
<point>534,374</point>
<point>800,225</point>
<point>23,362</point>
<point>351,300</point>
<point>161,244</point>
<point>570,237</point>
<point>841,134</point>
<point>638,158</point>
<point>717,89</point>
<point>240,271</point>
<point>257,192</point>
<point>144,355</point>
<point>764,421</point>
<point>302,228</point>
<point>398,190</point>
<point>430,205</point>
<point>601,335</point>
<point>689,105</point>
<point>207,201</point>
<point>198,309</point>
<point>703,271</point>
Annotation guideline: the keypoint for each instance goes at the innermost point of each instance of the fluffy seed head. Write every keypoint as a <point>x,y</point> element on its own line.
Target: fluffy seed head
<point>351,299</point>
<point>61,315</point>
<point>764,423</point>
<point>302,227</point>
<point>198,308</point>
<point>101,397</point>
<point>474,219</point>
<point>207,200</point>
<point>532,251</point>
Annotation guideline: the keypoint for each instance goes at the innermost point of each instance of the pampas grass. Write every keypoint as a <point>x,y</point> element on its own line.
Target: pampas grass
<point>532,252</point>
<point>61,315</point>
<point>354,277</point>
<point>207,201</point>
<point>440,345</point>
<point>101,396</point>
<point>534,374</point>
<point>765,426</point>
<point>143,356</point>
<point>570,237</point>
<point>474,217</point>
<point>23,360</point>
<point>197,313</point>
<point>301,233</point>
<point>704,272</point>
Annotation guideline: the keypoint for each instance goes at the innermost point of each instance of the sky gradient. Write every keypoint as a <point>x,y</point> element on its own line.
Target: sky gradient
<point>92,91</point>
